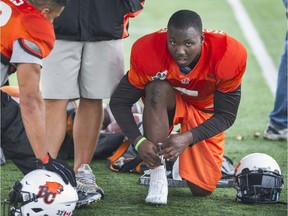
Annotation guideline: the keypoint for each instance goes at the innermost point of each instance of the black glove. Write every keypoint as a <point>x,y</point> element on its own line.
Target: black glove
<point>60,167</point>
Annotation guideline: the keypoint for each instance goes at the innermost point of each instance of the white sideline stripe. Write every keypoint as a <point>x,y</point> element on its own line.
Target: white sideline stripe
<point>268,68</point>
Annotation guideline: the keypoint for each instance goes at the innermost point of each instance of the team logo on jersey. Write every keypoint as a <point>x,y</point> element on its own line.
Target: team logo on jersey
<point>185,81</point>
<point>49,191</point>
<point>160,75</point>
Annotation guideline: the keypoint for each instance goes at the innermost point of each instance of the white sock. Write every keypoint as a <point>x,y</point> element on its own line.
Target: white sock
<point>175,170</point>
<point>158,187</point>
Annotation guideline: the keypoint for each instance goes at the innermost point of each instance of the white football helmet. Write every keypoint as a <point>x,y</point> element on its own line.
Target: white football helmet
<point>258,179</point>
<point>44,193</point>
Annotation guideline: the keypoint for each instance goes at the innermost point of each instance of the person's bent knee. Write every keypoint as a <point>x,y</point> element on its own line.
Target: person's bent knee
<point>198,191</point>
<point>158,91</point>
<point>158,85</point>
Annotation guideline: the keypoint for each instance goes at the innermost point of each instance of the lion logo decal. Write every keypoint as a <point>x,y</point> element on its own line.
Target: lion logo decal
<point>49,191</point>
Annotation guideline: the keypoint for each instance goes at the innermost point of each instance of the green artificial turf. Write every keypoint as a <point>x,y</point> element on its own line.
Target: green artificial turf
<point>124,196</point>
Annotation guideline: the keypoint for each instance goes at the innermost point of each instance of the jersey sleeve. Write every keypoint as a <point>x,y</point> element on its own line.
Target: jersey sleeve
<point>41,33</point>
<point>138,62</point>
<point>148,57</point>
<point>135,77</point>
<point>232,65</point>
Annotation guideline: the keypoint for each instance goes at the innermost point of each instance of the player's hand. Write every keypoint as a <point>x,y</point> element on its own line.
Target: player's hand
<point>175,145</point>
<point>148,153</point>
<point>60,167</point>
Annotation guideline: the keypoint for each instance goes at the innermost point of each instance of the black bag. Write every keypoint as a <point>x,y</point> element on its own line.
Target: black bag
<point>126,159</point>
<point>14,141</point>
<point>107,144</point>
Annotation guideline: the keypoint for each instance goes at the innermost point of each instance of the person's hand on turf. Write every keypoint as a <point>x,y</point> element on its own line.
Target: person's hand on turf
<point>60,167</point>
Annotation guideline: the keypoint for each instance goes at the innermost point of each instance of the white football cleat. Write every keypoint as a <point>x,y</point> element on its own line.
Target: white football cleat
<point>158,187</point>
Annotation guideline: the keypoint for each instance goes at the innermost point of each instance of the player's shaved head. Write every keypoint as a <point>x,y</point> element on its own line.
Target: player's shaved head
<point>184,19</point>
<point>52,4</point>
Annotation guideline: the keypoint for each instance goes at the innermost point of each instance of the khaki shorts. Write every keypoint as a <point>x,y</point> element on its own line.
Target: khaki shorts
<point>82,69</point>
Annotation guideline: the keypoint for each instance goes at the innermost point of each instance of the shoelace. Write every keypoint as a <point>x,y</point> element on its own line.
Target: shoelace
<point>86,178</point>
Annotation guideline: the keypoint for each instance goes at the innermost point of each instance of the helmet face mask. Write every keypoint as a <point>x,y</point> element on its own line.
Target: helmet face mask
<point>258,187</point>
<point>41,192</point>
<point>258,179</point>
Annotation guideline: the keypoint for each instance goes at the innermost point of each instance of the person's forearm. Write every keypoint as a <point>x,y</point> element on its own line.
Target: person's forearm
<point>121,102</point>
<point>226,107</point>
<point>32,107</point>
<point>33,115</point>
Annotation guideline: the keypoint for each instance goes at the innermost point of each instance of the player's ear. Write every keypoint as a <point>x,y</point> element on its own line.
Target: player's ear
<point>202,38</point>
<point>44,11</point>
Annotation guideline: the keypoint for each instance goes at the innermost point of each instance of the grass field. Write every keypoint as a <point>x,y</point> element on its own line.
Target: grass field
<point>124,196</point>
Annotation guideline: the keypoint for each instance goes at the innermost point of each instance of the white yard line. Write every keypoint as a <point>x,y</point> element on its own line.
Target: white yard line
<point>265,62</point>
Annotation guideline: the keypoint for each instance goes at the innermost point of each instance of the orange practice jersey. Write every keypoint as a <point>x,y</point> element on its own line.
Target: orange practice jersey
<point>220,67</point>
<point>21,20</point>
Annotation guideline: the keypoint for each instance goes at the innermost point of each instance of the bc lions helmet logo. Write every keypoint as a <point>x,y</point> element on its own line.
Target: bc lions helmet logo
<point>49,191</point>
